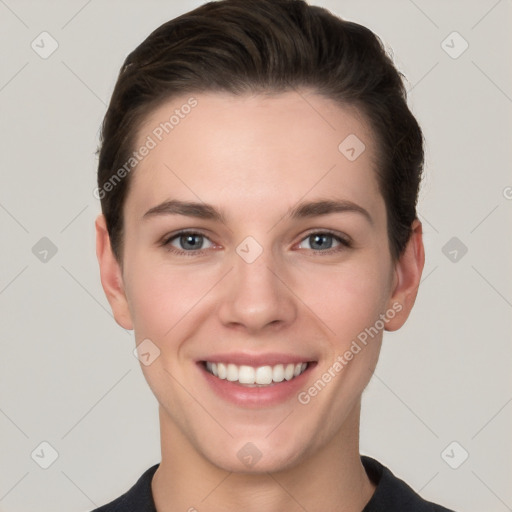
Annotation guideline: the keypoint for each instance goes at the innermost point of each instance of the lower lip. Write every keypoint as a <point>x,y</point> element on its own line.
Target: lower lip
<point>255,397</point>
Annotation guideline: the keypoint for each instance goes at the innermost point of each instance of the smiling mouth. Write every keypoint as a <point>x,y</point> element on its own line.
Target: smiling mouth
<point>260,376</point>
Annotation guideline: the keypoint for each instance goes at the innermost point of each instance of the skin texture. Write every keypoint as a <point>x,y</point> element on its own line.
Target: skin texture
<point>255,157</point>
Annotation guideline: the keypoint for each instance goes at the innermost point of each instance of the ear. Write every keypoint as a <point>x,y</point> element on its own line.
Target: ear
<point>111,275</point>
<point>406,280</point>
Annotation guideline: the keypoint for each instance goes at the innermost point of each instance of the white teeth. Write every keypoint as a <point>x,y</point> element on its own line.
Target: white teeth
<point>262,375</point>
<point>221,369</point>
<point>288,371</point>
<point>246,375</point>
<point>278,373</point>
<point>231,372</point>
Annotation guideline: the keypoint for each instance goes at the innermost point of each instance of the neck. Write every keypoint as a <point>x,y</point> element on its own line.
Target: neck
<point>331,479</point>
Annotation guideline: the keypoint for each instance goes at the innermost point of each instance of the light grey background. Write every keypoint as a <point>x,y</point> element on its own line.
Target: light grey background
<point>68,375</point>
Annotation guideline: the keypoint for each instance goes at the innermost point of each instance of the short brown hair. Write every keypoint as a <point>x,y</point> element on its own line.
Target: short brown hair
<point>242,46</point>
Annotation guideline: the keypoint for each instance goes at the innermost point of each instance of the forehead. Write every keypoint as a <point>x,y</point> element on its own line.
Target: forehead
<point>268,149</point>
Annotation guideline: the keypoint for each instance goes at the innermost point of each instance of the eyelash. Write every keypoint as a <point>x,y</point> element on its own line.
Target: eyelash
<point>345,243</point>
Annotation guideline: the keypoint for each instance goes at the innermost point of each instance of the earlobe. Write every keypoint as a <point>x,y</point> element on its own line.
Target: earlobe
<point>408,270</point>
<point>111,275</point>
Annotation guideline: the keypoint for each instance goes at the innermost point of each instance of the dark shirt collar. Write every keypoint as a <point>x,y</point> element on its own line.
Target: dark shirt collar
<point>391,494</point>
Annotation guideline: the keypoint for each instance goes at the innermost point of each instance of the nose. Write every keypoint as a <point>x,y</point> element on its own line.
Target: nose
<point>258,295</point>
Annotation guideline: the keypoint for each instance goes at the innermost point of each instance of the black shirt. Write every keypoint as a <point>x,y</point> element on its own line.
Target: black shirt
<point>391,494</point>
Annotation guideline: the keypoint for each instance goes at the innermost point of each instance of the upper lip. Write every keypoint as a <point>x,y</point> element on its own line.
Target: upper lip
<point>256,360</point>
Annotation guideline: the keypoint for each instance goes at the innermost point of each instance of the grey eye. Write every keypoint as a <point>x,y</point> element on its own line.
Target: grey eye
<point>320,241</point>
<point>190,242</point>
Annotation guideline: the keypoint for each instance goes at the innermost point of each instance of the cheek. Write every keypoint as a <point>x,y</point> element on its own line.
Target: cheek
<point>348,299</point>
<point>168,303</point>
<point>161,295</point>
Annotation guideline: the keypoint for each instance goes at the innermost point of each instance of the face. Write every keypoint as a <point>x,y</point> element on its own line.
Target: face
<point>256,262</point>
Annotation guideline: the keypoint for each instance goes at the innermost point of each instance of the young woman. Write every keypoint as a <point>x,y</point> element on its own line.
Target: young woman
<point>258,176</point>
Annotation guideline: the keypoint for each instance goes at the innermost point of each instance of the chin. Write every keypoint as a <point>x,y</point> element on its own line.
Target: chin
<point>256,456</point>
<point>266,464</point>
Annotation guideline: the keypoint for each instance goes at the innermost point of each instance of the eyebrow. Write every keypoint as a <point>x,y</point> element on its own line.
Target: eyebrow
<point>300,211</point>
<point>325,207</point>
<point>188,208</point>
